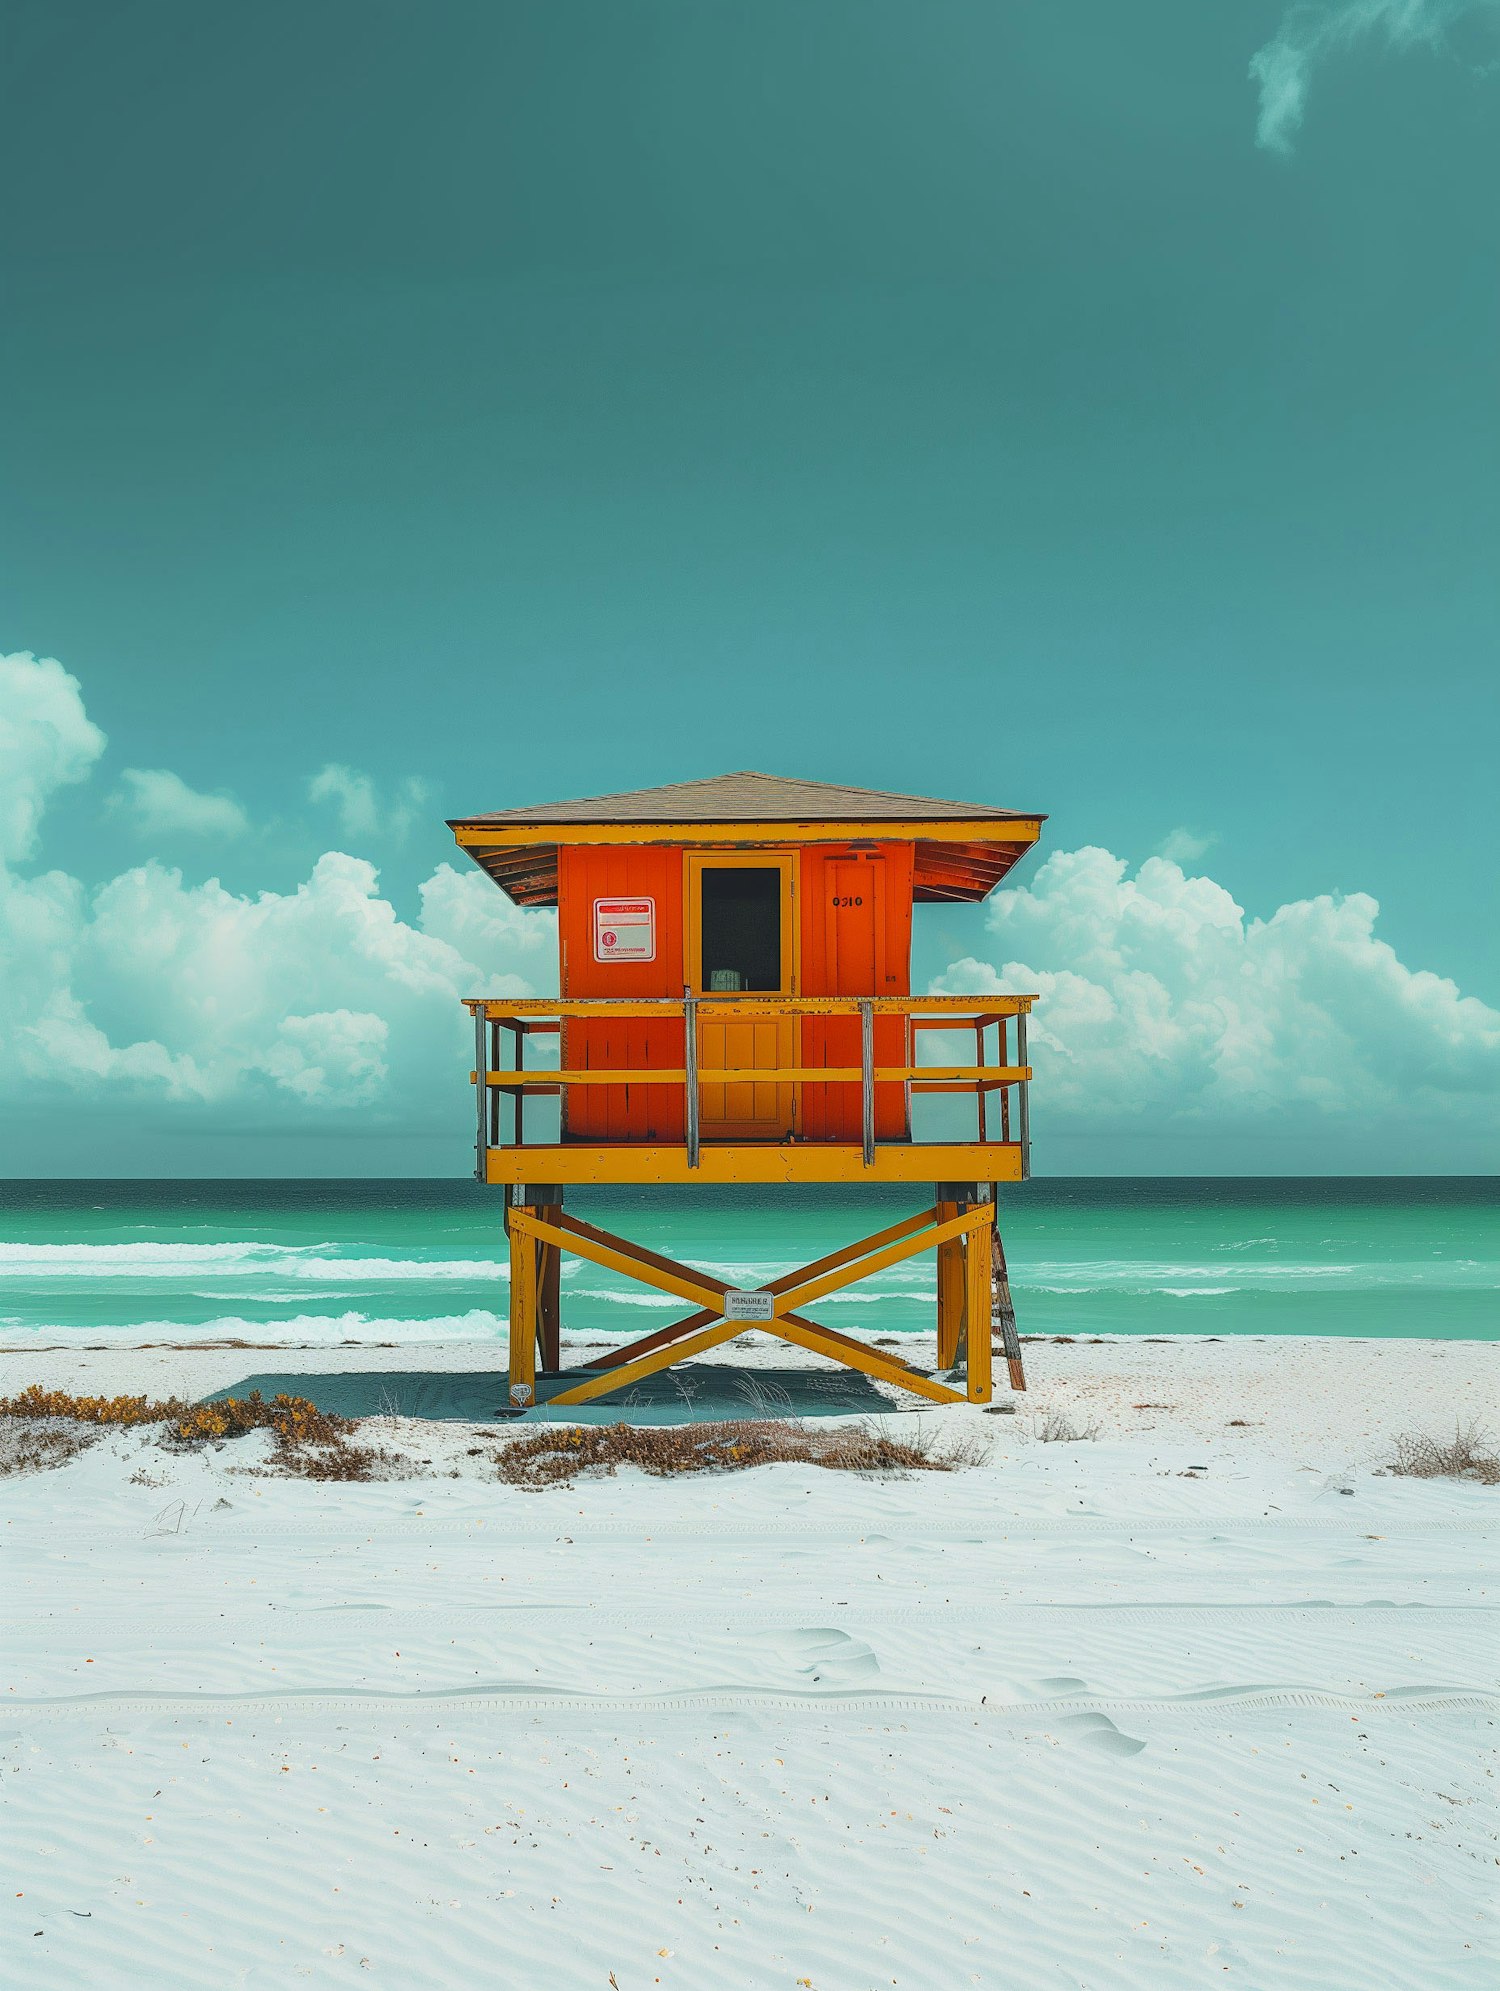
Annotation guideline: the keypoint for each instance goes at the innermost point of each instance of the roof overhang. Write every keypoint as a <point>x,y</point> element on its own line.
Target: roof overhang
<point>958,861</point>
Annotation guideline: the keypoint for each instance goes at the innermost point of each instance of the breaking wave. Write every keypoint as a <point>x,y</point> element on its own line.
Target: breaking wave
<point>274,1261</point>
<point>315,1329</point>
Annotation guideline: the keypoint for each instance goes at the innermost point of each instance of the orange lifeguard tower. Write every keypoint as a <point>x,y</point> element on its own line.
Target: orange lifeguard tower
<point>735,1006</point>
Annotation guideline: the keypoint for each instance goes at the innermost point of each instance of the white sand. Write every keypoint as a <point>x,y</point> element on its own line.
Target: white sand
<point>1082,1718</point>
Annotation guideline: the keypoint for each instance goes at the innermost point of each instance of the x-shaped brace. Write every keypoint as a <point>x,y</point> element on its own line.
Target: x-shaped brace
<point>707,1326</point>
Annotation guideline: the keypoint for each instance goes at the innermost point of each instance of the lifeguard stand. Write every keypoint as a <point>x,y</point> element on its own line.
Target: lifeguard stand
<point>735,1006</point>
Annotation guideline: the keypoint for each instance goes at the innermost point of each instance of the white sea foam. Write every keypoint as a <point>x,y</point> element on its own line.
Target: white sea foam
<point>1163,1272</point>
<point>85,1260</point>
<point>626,1297</point>
<point>278,1261</point>
<point>361,1271</point>
<point>853,1296</point>
<point>315,1329</point>
<point>1098,1275</point>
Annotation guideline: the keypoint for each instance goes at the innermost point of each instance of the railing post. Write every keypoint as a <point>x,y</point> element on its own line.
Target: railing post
<point>481,1092</point>
<point>1002,1031</point>
<point>1022,1059</point>
<point>690,1066</point>
<point>497,1124</point>
<point>867,1077</point>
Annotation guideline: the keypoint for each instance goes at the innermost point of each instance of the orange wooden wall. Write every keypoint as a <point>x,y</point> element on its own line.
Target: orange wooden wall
<point>854,934</point>
<point>616,1112</point>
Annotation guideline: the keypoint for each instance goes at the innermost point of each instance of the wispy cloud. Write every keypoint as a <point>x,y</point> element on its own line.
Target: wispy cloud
<point>1313,30</point>
<point>352,794</point>
<point>161,804</point>
<point>362,811</point>
<point>1185,846</point>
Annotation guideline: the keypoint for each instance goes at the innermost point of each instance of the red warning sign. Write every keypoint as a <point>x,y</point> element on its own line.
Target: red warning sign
<point>624,929</point>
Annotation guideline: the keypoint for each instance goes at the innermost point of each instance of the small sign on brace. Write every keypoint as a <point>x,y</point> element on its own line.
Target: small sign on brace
<point>748,1303</point>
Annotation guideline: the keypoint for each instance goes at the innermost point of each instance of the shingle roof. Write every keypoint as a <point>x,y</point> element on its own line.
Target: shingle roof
<point>748,797</point>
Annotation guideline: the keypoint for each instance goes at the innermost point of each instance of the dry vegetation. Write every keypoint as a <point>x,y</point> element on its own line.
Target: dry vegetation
<point>559,1453</point>
<point>309,1443</point>
<point>40,1428</point>
<point>1055,1427</point>
<point>34,1445</point>
<point>1466,1455</point>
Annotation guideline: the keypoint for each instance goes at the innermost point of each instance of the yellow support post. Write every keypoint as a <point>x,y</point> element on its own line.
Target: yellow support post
<point>950,1289</point>
<point>549,1296</point>
<point>521,1344</point>
<point>977,1311</point>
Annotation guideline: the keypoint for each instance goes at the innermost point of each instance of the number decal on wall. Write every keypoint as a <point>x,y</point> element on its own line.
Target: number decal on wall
<point>847,901</point>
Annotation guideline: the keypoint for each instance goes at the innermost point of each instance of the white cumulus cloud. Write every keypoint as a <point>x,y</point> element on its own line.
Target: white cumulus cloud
<point>1313,30</point>
<point>323,996</point>
<point>468,911</point>
<point>285,1009</point>
<point>1164,1004</point>
<point>161,804</point>
<point>47,741</point>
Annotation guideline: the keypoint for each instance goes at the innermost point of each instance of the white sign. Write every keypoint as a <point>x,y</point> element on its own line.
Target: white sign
<point>742,1303</point>
<point>624,929</point>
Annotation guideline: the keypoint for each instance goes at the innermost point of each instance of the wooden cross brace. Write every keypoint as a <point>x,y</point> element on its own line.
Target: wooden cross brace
<point>962,1234</point>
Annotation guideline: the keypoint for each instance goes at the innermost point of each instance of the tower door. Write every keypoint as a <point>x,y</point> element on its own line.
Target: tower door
<point>741,944</point>
<point>856,941</point>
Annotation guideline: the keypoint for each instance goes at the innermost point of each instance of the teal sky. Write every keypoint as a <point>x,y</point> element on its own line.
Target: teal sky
<point>534,400</point>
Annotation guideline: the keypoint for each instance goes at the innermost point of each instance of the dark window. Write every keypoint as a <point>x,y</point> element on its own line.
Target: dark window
<point>741,928</point>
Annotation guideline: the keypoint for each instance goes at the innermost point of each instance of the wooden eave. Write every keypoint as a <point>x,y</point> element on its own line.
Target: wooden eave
<point>954,861</point>
<point>527,876</point>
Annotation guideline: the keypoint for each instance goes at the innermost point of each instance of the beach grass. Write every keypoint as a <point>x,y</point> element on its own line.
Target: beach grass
<point>1468,1454</point>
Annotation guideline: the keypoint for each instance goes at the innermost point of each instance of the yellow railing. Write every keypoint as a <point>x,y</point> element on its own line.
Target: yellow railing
<point>523,1018</point>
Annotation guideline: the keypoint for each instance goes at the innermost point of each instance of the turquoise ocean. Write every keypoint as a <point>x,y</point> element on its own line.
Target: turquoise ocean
<point>410,1261</point>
